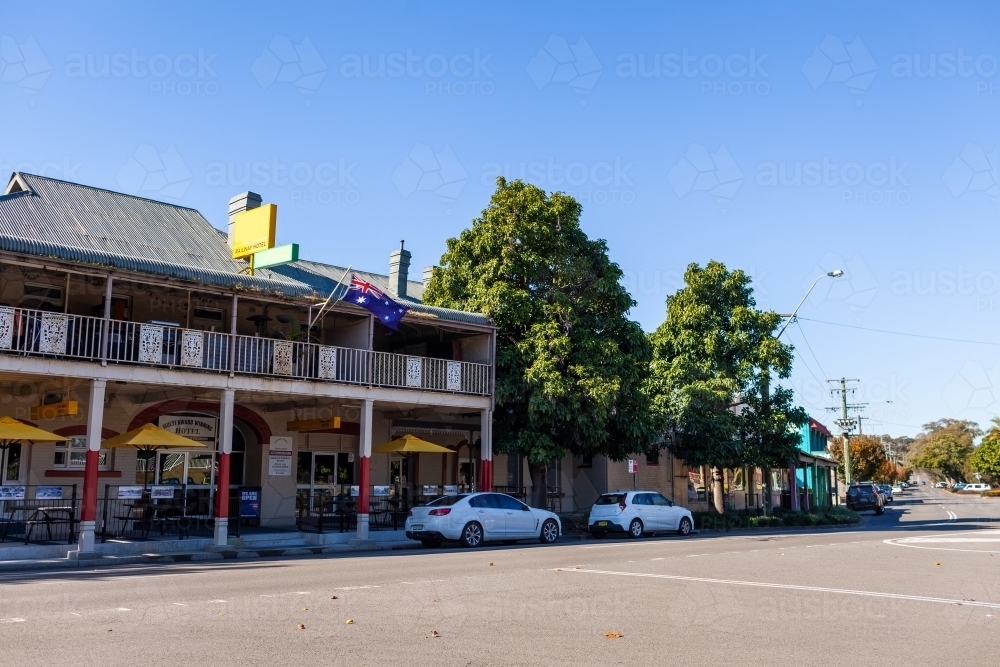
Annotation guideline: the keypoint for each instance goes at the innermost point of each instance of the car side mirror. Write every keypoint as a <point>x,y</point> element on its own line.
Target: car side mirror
<point>525,508</point>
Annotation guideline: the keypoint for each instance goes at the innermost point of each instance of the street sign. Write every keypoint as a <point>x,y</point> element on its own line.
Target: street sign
<point>254,230</point>
<point>633,467</point>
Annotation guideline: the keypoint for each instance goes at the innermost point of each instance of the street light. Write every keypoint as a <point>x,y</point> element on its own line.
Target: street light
<point>836,273</point>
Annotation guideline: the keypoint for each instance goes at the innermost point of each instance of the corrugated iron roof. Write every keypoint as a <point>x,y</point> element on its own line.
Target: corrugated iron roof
<point>47,217</point>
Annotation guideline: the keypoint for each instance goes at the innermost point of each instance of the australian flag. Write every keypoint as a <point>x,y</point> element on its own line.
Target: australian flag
<point>363,293</point>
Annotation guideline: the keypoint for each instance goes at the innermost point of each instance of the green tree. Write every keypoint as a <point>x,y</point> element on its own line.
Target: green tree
<point>571,366</point>
<point>945,446</point>
<point>713,358</point>
<point>985,459</point>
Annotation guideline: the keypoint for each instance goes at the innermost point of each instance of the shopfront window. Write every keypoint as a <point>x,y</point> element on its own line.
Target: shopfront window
<point>72,455</point>
<point>11,471</point>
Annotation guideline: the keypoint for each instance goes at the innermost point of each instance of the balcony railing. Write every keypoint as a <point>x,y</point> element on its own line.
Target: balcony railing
<point>34,332</point>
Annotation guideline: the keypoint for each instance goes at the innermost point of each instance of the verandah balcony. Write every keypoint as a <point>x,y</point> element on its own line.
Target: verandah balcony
<point>35,332</point>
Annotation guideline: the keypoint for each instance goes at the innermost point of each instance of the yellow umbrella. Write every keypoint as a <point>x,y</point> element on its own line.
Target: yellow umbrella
<point>410,444</point>
<point>14,432</point>
<point>148,438</point>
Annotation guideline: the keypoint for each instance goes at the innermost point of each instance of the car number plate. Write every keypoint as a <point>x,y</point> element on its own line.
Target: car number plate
<point>417,526</point>
<point>602,523</point>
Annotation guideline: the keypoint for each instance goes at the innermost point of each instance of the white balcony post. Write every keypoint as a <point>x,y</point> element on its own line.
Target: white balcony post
<point>95,426</point>
<point>106,324</point>
<point>232,338</point>
<point>225,449</point>
<point>365,451</point>
<point>486,450</point>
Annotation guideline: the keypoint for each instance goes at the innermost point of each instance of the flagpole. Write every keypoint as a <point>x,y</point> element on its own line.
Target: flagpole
<point>332,292</point>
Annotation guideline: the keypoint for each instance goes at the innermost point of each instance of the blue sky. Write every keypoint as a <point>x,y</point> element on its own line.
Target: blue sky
<point>786,139</point>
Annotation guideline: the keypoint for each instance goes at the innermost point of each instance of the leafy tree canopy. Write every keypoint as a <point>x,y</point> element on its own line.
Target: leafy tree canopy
<point>868,460</point>
<point>571,366</point>
<point>986,457</point>
<point>713,357</point>
<point>945,446</point>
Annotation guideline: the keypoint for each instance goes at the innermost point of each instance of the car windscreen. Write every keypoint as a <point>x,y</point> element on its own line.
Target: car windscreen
<point>610,499</point>
<point>446,501</point>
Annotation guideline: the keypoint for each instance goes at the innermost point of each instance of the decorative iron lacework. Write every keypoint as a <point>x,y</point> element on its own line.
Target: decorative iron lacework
<point>328,363</point>
<point>454,379</point>
<point>192,348</point>
<point>52,337</point>
<point>414,372</point>
<point>6,328</point>
<point>150,344</point>
<point>283,357</point>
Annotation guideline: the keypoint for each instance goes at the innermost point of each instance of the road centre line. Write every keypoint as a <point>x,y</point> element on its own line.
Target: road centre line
<point>792,587</point>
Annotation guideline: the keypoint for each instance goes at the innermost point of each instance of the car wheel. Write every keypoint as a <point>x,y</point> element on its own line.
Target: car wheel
<point>598,534</point>
<point>550,532</point>
<point>879,510</point>
<point>684,529</point>
<point>431,544</point>
<point>635,529</point>
<point>472,535</point>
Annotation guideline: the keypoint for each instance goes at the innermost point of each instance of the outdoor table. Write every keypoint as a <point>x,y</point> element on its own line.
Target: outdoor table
<point>140,510</point>
<point>46,515</point>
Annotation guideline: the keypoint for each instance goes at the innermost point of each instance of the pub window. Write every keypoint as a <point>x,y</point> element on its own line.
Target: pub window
<point>42,297</point>
<point>653,457</point>
<point>72,455</point>
<point>208,316</point>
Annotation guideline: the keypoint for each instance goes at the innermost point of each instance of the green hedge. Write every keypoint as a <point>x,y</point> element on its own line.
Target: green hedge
<point>835,516</point>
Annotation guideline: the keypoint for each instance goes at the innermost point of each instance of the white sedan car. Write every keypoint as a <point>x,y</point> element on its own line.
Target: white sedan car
<point>636,513</point>
<point>473,518</point>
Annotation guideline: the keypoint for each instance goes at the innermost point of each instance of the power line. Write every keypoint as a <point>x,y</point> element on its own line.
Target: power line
<point>802,331</point>
<point>900,333</point>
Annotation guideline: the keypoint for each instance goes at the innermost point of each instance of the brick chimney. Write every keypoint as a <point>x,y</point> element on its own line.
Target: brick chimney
<point>241,202</point>
<point>399,268</point>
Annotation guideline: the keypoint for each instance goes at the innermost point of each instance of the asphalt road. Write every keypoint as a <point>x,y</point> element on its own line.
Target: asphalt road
<point>921,585</point>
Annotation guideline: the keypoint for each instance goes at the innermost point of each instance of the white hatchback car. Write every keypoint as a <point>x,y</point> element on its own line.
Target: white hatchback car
<point>636,513</point>
<point>473,518</point>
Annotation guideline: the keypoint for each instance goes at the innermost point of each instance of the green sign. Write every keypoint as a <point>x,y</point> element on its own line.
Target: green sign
<point>282,254</point>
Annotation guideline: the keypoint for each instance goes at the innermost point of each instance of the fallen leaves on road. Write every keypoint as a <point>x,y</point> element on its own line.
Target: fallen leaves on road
<point>109,630</point>
<point>434,634</point>
<point>302,626</point>
<point>613,635</point>
<point>305,608</point>
<point>491,564</point>
<point>435,600</point>
<point>334,597</point>
<point>349,621</point>
<point>937,563</point>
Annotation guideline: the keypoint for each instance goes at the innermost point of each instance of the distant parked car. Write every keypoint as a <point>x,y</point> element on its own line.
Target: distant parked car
<point>638,513</point>
<point>976,488</point>
<point>886,491</point>
<point>865,496</point>
<point>473,518</point>
<point>897,489</point>
<point>941,485</point>
<point>959,486</point>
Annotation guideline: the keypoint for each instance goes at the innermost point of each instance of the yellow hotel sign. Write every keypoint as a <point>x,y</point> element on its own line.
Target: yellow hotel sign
<point>253,230</point>
<point>313,424</point>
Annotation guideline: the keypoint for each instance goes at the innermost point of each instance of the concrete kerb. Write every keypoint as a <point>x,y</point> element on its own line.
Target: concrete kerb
<point>71,561</point>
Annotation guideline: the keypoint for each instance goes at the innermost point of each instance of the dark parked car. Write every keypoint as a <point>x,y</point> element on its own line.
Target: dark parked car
<point>865,496</point>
